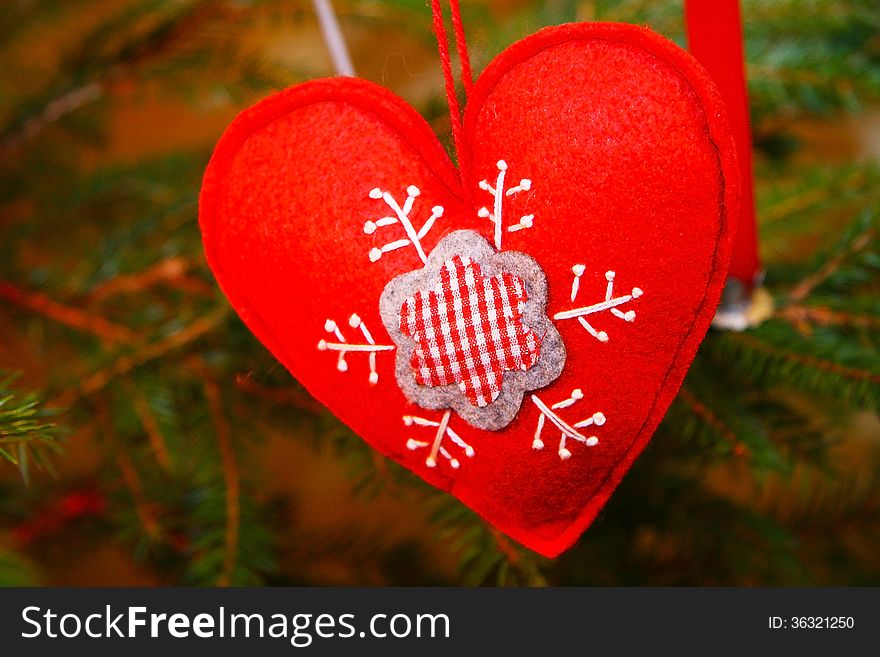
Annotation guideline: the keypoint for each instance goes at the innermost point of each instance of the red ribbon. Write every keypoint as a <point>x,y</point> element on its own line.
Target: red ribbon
<point>715,39</point>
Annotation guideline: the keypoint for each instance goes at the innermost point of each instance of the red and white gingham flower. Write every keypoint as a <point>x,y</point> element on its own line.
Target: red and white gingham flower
<point>470,331</point>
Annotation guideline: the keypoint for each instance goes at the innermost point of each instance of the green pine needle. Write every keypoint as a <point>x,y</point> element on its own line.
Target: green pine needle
<point>25,434</point>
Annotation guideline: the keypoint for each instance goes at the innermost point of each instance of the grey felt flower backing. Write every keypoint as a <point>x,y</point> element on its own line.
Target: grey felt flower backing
<point>525,314</point>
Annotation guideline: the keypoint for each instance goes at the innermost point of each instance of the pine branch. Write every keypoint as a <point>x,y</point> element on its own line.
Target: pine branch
<point>804,57</point>
<point>811,57</point>
<point>99,379</point>
<point>484,554</point>
<point>69,316</point>
<point>851,247</point>
<point>25,436</point>
<point>292,397</point>
<point>132,480</point>
<point>170,271</point>
<point>208,563</point>
<point>231,479</point>
<point>775,354</point>
<point>838,291</point>
<point>714,417</point>
<point>146,515</point>
<point>151,427</point>
<point>712,421</point>
<point>803,317</point>
<point>104,61</point>
<point>51,112</point>
<point>807,191</point>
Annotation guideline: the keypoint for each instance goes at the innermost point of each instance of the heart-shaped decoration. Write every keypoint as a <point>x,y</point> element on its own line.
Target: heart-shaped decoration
<point>514,332</point>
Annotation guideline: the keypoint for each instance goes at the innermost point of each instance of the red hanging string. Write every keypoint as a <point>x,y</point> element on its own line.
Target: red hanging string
<point>467,77</point>
<point>446,64</point>
<point>715,38</point>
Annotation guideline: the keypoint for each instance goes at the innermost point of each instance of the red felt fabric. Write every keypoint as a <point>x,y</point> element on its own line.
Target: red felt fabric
<point>633,170</point>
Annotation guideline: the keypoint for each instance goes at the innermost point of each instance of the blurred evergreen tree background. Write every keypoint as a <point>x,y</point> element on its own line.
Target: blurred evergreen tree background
<point>147,438</point>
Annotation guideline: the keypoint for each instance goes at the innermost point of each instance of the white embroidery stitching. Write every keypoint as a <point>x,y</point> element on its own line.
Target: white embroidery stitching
<point>402,215</point>
<point>610,303</point>
<point>443,431</point>
<point>567,431</point>
<point>344,347</point>
<point>498,192</point>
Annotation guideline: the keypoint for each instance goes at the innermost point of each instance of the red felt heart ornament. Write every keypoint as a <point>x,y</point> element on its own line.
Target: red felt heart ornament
<point>523,379</point>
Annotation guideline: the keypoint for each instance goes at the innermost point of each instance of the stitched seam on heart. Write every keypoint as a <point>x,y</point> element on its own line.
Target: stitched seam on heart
<point>227,151</point>
<point>615,474</point>
<point>717,264</point>
<point>625,462</point>
<point>619,469</point>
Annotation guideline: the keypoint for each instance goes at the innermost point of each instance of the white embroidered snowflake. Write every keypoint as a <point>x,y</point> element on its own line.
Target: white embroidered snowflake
<point>401,216</point>
<point>495,215</point>
<point>447,445</point>
<point>436,446</point>
<point>567,430</point>
<point>343,348</point>
<point>610,304</point>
